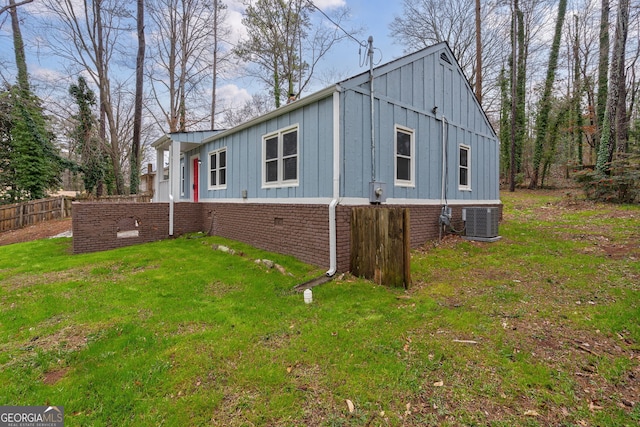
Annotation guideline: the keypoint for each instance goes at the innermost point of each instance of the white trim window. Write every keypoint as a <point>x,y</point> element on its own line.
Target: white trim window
<point>464,168</point>
<point>183,182</point>
<point>404,156</point>
<point>280,158</point>
<point>218,169</point>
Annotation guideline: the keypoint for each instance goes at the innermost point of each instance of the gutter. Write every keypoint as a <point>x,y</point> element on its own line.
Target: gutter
<point>333,250</point>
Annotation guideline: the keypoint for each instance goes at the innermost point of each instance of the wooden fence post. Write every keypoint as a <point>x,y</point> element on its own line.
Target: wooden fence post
<point>380,245</point>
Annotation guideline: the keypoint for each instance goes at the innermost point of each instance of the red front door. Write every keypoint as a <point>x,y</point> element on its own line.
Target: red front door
<point>196,164</point>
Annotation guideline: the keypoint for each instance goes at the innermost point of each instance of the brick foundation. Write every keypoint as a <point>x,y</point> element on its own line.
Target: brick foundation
<point>298,230</point>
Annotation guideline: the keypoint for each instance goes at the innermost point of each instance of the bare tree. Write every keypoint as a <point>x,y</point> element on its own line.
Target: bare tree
<point>426,22</point>
<point>542,119</point>
<point>12,5</point>
<point>90,37</point>
<point>134,178</point>
<point>478,88</point>
<point>220,51</point>
<point>614,126</point>
<point>180,36</point>
<point>257,106</point>
<point>603,65</point>
<point>284,45</point>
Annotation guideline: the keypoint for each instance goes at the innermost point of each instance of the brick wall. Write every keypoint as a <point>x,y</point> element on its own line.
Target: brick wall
<point>298,230</point>
<point>102,226</point>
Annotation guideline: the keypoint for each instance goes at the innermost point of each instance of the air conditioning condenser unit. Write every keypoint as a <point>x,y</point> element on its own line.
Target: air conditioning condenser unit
<point>481,223</point>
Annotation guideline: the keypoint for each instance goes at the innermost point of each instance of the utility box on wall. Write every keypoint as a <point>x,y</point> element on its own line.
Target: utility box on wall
<point>481,223</point>
<point>377,192</point>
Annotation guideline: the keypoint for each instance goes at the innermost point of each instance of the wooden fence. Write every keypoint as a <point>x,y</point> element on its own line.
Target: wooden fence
<point>380,245</point>
<point>15,216</point>
<point>133,198</point>
<point>21,215</point>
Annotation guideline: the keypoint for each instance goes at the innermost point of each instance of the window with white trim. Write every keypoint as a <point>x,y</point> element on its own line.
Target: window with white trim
<point>404,157</point>
<point>218,169</point>
<point>280,158</point>
<point>464,167</point>
<point>183,183</point>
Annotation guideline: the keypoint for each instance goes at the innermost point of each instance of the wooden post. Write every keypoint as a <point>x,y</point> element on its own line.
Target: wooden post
<point>380,245</point>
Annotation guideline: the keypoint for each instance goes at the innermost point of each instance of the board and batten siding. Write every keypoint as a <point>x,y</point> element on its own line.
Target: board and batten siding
<point>244,157</point>
<point>405,92</point>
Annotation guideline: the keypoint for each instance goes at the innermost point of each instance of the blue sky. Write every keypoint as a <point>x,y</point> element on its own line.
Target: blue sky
<point>373,16</point>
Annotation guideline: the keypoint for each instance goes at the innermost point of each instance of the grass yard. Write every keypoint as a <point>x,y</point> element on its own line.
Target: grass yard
<point>541,328</point>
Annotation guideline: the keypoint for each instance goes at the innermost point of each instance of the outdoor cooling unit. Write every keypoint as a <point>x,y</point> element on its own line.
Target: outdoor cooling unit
<point>481,224</point>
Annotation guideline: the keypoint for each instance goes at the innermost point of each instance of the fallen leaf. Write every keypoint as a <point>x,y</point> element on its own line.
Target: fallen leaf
<point>531,413</point>
<point>350,406</point>
<point>594,407</point>
<point>289,369</point>
<point>438,384</point>
<point>628,403</point>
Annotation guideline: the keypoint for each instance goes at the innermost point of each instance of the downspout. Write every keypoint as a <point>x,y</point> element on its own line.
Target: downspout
<point>444,219</point>
<point>444,159</point>
<point>333,250</point>
<point>170,214</point>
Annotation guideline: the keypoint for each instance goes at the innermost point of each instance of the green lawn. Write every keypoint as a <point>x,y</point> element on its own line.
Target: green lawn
<point>541,328</point>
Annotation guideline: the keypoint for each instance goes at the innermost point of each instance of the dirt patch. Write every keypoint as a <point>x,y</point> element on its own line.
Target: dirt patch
<point>42,230</point>
<point>52,377</point>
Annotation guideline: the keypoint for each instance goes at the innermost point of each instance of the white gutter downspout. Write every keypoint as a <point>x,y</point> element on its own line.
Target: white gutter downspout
<point>333,256</point>
<point>170,214</point>
<point>443,178</point>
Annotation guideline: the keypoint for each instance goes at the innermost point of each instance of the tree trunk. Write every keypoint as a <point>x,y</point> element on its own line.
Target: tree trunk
<point>603,67</point>
<point>18,47</point>
<point>521,83</point>
<point>514,74</point>
<point>617,90</point>
<point>216,9</point>
<point>134,179</point>
<point>545,103</point>
<point>577,95</point>
<point>478,54</point>
<point>621,123</point>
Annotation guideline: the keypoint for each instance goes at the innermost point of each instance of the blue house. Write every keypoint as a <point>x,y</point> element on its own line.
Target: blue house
<point>412,134</point>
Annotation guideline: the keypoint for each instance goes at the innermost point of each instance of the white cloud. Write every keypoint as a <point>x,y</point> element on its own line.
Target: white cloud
<point>47,75</point>
<point>235,10</point>
<point>232,96</point>
<point>329,4</point>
